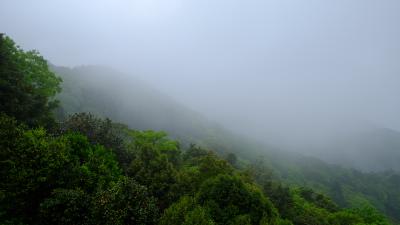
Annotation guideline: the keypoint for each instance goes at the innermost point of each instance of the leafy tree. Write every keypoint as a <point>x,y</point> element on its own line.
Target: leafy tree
<point>198,216</point>
<point>160,142</point>
<point>211,165</point>
<point>35,165</point>
<point>100,131</point>
<point>152,167</point>
<point>126,202</point>
<point>304,213</point>
<point>318,199</point>
<point>228,197</point>
<point>66,206</point>
<point>175,213</point>
<point>30,170</point>
<point>241,220</point>
<point>27,86</point>
<point>194,152</point>
<point>345,217</point>
<point>200,167</point>
<point>370,215</point>
<point>189,179</point>
<point>279,194</point>
<point>186,212</point>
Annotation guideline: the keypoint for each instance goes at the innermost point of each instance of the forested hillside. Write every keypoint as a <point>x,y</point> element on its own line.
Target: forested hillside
<point>91,89</point>
<point>85,169</point>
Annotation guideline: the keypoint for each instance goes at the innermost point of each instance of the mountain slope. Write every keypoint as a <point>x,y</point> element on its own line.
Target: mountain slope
<point>109,93</point>
<point>371,149</point>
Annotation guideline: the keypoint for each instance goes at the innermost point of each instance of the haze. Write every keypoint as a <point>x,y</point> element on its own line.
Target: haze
<point>284,71</point>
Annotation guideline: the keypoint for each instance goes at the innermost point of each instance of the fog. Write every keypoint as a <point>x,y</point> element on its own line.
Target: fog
<point>283,71</point>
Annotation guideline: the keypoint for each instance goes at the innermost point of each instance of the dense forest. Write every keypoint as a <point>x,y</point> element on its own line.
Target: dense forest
<point>63,161</point>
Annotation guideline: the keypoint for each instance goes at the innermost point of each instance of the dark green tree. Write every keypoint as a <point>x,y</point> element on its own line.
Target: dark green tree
<point>27,86</point>
<point>186,212</point>
<point>100,131</point>
<point>35,168</point>
<point>66,206</point>
<point>152,166</point>
<point>228,197</point>
<point>125,202</point>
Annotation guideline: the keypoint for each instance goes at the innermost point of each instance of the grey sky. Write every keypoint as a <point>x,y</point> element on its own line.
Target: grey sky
<point>272,66</point>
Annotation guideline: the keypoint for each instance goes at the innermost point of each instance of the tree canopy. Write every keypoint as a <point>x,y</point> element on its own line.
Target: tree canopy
<point>27,85</point>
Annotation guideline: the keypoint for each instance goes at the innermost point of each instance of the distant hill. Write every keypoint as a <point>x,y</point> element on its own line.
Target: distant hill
<point>369,149</point>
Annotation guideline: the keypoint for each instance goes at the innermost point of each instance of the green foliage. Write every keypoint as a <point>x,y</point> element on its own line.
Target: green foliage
<point>152,166</point>
<point>228,197</point>
<point>30,169</point>
<point>370,215</point>
<point>99,131</point>
<point>159,141</point>
<point>279,194</point>
<point>125,202</point>
<point>175,214</point>
<point>26,84</point>
<point>198,216</point>
<point>345,217</point>
<point>66,206</point>
<point>37,170</point>
<point>303,212</point>
<point>211,166</point>
<point>66,179</point>
<point>194,152</point>
<point>241,220</point>
<point>186,212</point>
<point>317,199</point>
<point>200,165</point>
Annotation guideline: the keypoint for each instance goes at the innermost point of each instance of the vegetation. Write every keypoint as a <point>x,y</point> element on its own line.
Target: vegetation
<point>89,170</point>
<point>27,85</point>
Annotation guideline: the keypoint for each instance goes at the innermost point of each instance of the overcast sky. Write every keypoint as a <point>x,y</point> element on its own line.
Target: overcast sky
<point>281,66</point>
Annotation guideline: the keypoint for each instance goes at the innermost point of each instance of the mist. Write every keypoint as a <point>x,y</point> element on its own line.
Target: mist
<point>292,73</point>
